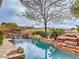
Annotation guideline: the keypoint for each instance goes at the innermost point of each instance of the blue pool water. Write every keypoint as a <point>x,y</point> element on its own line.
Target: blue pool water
<point>37,50</point>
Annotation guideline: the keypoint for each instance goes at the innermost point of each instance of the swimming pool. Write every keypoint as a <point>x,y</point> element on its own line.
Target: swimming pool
<point>37,50</point>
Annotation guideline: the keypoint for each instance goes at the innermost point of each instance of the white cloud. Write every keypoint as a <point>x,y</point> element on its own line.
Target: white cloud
<point>16,7</point>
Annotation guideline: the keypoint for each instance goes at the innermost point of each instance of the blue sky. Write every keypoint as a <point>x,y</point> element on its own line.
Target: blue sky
<point>10,8</point>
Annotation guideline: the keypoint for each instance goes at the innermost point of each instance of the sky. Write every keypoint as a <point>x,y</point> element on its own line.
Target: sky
<point>10,9</point>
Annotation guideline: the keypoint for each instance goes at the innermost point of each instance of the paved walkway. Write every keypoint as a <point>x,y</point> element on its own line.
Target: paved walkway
<point>5,48</point>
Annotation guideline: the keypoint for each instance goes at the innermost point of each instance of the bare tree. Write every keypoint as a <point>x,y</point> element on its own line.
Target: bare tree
<point>46,10</point>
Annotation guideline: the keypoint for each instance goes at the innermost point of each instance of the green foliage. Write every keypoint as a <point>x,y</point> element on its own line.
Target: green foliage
<point>75,8</point>
<point>1,39</point>
<point>12,26</point>
<point>29,27</point>
<point>55,32</point>
<point>77,28</point>
<point>1,30</point>
<point>41,33</point>
<point>52,32</point>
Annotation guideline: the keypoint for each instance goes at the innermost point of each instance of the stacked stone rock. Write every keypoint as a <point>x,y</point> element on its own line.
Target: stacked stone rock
<point>69,42</point>
<point>69,39</point>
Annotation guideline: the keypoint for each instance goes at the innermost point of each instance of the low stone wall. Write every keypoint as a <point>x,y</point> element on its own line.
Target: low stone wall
<point>70,50</point>
<point>49,41</point>
<point>69,43</point>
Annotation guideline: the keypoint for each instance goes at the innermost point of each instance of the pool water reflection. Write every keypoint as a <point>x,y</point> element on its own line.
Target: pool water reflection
<point>37,50</point>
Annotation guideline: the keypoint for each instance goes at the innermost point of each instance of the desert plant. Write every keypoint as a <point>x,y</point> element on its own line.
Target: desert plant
<point>77,28</point>
<point>55,32</point>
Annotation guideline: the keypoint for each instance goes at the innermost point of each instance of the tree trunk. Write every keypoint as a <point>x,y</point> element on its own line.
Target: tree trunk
<point>45,28</point>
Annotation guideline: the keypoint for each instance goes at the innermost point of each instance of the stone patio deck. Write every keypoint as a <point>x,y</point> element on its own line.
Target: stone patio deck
<point>6,48</point>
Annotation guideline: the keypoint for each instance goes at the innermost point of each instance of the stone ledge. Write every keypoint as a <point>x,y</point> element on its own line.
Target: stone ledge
<point>16,56</point>
<point>9,51</point>
<point>49,41</point>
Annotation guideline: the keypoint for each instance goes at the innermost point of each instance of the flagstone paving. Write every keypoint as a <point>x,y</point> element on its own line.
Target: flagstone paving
<point>6,48</point>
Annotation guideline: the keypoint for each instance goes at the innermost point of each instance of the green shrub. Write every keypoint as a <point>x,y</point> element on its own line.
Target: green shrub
<point>55,32</point>
<point>29,27</point>
<point>77,28</point>
<point>1,39</point>
<point>41,33</point>
<point>1,31</point>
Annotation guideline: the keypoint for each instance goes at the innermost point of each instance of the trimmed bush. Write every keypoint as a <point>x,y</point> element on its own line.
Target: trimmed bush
<point>55,32</point>
<point>41,33</point>
<point>1,39</point>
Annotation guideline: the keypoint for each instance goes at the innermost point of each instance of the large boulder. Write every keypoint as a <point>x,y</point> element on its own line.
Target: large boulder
<point>16,54</point>
<point>20,50</point>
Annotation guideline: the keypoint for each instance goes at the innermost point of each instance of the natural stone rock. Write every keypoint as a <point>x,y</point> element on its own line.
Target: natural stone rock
<point>68,42</point>
<point>20,50</point>
<point>18,57</point>
<point>16,54</point>
<point>71,35</point>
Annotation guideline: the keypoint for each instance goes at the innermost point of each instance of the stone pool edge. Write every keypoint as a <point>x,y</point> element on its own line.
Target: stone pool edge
<point>7,48</point>
<point>51,42</point>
